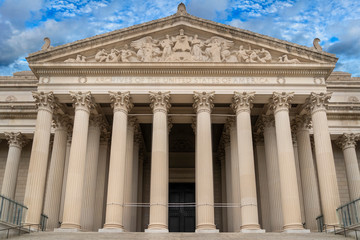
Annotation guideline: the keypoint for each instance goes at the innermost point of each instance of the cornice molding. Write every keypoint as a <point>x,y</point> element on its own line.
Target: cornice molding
<point>185,69</point>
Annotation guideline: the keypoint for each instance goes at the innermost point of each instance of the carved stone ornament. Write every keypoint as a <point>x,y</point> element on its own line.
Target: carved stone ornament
<point>47,44</point>
<point>268,121</point>
<point>230,122</point>
<point>16,139</point>
<point>242,101</point>
<point>160,101</point>
<point>185,48</point>
<point>317,45</point>
<point>121,101</point>
<point>317,101</point>
<point>96,120</point>
<point>347,140</point>
<point>203,101</point>
<point>303,122</point>
<point>44,101</point>
<point>82,101</point>
<point>62,121</point>
<point>281,101</point>
<point>79,58</point>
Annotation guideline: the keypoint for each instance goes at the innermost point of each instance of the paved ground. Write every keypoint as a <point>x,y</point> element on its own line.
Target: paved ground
<point>179,236</point>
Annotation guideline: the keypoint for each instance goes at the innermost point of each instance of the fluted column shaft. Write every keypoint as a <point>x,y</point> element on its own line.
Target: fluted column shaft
<point>66,167</point>
<point>329,193</point>
<point>229,189</point>
<point>347,142</point>
<point>204,185</point>
<point>92,157</point>
<point>16,142</point>
<point>135,178</point>
<point>35,185</point>
<point>273,175</point>
<point>224,199</point>
<point>56,172</point>
<point>308,174</point>
<point>77,161</point>
<point>290,200</point>
<point>235,178</point>
<point>158,221</point>
<point>129,165</point>
<point>101,180</point>
<point>242,103</point>
<point>263,186</point>
<point>121,103</point>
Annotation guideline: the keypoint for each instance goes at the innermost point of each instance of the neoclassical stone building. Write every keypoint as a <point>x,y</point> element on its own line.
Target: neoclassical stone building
<point>180,124</point>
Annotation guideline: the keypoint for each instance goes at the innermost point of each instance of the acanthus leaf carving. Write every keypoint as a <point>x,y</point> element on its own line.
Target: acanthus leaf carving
<point>160,101</point>
<point>281,101</point>
<point>203,101</point>
<point>347,140</point>
<point>121,101</point>
<point>16,139</point>
<point>242,101</point>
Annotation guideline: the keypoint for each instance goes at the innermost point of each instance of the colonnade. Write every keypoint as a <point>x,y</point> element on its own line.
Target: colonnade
<point>89,141</point>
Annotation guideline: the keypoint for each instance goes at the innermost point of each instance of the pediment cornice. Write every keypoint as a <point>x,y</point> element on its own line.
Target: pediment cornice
<point>174,23</point>
<point>180,69</point>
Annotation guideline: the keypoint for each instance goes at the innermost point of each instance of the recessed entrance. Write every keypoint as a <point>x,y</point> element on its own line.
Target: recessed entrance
<point>181,218</point>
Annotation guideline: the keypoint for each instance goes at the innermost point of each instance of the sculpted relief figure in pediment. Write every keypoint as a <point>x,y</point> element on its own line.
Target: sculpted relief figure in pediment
<point>184,48</point>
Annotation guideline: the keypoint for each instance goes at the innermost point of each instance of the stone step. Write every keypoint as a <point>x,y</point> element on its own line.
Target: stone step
<point>178,236</point>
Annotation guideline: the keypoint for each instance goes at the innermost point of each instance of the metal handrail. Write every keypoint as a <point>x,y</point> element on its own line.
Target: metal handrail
<point>349,213</point>
<point>21,227</point>
<point>343,228</point>
<point>11,211</point>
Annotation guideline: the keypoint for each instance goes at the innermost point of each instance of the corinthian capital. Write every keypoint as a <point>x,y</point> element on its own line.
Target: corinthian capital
<point>242,101</point>
<point>317,102</point>
<point>121,101</point>
<point>281,101</point>
<point>44,101</point>
<point>302,122</point>
<point>203,101</point>
<point>268,121</point>
<point>96,121</point>
<point>16,139</point>
<point>347,140</point>
<point>62,121</point>
<point>82,101</point>
<point>160,101</point>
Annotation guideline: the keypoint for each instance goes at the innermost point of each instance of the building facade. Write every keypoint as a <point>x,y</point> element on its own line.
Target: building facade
<point>180,124</point>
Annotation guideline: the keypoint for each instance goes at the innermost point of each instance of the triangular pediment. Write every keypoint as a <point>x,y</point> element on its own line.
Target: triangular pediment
<point>181,38</point>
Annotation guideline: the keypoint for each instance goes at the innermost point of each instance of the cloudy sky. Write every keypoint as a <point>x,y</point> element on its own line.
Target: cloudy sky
<point>24,23</point>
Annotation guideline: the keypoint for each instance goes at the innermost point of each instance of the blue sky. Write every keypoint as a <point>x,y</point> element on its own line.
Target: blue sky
<point>24,23</point>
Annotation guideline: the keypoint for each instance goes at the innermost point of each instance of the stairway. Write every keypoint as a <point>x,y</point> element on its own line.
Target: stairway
<point>178,236</point>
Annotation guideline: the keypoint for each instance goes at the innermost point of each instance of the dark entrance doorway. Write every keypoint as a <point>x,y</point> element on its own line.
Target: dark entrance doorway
<point>181,219</point>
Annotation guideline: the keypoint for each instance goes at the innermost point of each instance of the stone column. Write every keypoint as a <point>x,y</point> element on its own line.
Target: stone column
<point>204,185</point>
<point>101,180</point>
<point>273,175</point>
<point>307,171</point>
<point>56,172</point>
<point>135,177</point>
<point>263,182</point>
<point>158,222</point>
<point>92,156</point>
<point>229,189</point>
<point>235,177</point>
<point>347,143</point>
<point>280,103</point>
<point>224,198</point>
<point>16,142</point>
<point>66,167</point>
<point>329,192</point>
<point>83,104</point>
<point>129,166</point>
<point>121,102</point>
<point>35,185</point>
<point>242,103</point>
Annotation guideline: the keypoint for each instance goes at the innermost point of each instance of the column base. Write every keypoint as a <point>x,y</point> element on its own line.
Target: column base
<point>156,230</point>
<point>67,230</point>
<point>296,231</point>
<point>207,230</point>
<point>111,230</point>
<point>252,230</point>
